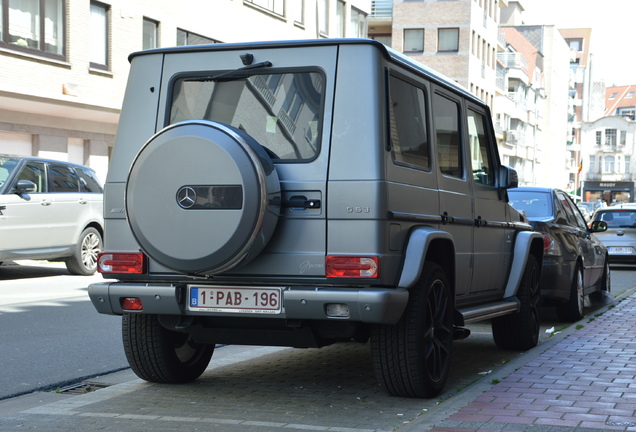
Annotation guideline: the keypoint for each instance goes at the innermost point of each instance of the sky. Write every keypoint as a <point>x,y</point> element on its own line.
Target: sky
<point>613,24</point>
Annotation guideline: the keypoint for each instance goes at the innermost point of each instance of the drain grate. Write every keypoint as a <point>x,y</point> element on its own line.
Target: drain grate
<point>82,388</point>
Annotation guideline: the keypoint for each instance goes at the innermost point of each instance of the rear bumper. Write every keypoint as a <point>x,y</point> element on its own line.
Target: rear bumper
<point>368,305</point>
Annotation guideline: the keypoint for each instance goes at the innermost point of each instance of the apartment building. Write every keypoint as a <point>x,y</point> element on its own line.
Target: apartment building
<point>64,63</point>
<point>456,38</point>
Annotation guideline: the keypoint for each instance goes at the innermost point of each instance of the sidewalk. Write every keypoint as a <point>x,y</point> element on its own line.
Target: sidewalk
<point>585,382</point>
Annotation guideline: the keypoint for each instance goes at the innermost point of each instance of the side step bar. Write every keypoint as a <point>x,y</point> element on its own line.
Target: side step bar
<point>491,310</point>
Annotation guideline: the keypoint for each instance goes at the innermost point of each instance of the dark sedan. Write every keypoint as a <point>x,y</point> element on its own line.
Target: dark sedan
<point>575,262</point>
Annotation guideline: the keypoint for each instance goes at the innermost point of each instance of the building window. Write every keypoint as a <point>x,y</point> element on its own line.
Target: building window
<point>575,44</point>
<point>592,164</point>
<point>613,95</point>
<point>297,11</point>
<point>599,138</point>
<point>623,137</point>
<point>414,40</point>
<point>358,23</point>
<point>628,161</point>
<point>151,32</point>
<point>385,39</point>
<point>188,38</point>
<point>276,6</point>
<point>448,40</point>
<point>99,36</point>
<point>323,16</point>
<point>610,137</point>
<point>608,164</point>
<point>629,95</point>
<point>340,16</point>
<point>36,26</point>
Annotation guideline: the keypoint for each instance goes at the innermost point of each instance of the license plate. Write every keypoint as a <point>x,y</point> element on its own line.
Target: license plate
<point>235,299</point>
<point>620,250</point>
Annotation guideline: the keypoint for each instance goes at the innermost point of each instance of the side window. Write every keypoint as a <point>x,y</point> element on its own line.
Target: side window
<point>409,134</point>
<point>446,117</point>
<point>63,178</point>
<point>571,211</point>
<point>88,181</point>
<point>35,172</point>
<point>480,152</point>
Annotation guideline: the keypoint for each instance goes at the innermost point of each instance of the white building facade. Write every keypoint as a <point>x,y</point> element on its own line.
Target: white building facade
<point>608,146</point>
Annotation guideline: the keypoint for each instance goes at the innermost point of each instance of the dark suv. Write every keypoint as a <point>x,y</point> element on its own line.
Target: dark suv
<point>50,210</point>
<point>304,193</point>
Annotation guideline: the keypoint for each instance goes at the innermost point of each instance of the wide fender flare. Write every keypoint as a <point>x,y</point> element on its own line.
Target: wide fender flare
<point>416,250</point>
<point>523,246</point>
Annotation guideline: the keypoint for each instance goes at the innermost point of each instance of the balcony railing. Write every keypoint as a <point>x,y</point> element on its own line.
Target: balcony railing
<point>381,9</point>
<point>512,60</point>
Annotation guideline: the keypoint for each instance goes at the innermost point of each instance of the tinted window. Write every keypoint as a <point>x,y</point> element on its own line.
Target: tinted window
<point>534,204</point>
<point>63,178</point>
<point>89,181</point>
<point>283,112</point>
<point>571,210</point>
<point>36,173</point>
<point>618,218</point>
<point>480,153</point>
<point>407,110</point>
<point>446,115</point>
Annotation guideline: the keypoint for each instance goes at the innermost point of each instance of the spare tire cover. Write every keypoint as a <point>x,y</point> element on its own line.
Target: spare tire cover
<point>202,197</point>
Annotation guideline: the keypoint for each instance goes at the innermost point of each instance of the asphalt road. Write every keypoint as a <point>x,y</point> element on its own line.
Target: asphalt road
<point>50,333</point>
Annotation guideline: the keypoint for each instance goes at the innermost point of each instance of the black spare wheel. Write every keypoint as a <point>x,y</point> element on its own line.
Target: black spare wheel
<point>202,197</point>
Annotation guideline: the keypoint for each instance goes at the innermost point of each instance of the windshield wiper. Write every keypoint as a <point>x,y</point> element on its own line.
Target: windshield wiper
<point>239,73</point>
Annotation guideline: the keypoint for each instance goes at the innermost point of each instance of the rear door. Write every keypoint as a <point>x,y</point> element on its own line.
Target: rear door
<point>284,108</point>
<point>492,239</point>
<point>455,201</point>
<point>71,208</point>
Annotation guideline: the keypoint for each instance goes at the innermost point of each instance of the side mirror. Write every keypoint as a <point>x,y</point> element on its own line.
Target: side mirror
<point>598,226</point>
<point>24,186</point>
<point>508,177</point>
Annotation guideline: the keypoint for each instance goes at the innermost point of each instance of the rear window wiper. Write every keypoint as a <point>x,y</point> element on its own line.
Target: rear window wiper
<point>235,74</point>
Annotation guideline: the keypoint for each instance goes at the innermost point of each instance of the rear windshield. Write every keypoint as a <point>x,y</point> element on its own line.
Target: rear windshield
<point>535,204</point>
<point>282,111</point>
<point>617,218</point>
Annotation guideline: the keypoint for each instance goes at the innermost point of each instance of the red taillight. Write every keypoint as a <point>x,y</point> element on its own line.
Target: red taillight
<point>116,262</point>
<point>131,303</point>
<point>550,246</point>
<point>352,267</point>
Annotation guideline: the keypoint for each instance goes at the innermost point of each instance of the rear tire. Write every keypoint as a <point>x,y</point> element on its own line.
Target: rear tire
<point>520,330</point>
<point>412,357</point>
<point>159,355</point>
<point>84,259</point>
<point>572,310</point>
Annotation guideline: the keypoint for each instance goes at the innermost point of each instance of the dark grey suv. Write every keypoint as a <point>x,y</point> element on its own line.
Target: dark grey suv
<point>303,193</point>
<point>50,210</point>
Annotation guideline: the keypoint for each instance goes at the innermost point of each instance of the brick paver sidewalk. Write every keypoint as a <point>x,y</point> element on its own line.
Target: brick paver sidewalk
<point>585,382</point>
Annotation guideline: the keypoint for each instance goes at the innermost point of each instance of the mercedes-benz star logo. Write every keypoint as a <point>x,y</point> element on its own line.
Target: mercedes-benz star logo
<point>186,197</point>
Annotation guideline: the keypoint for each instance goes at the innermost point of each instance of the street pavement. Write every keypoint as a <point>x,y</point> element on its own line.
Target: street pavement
<point>582,379</point>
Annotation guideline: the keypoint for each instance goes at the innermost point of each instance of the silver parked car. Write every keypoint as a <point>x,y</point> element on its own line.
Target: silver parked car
<point>575,262</point>
<point>50,210</point>
<point>303,193</point>
<point>620,237</point>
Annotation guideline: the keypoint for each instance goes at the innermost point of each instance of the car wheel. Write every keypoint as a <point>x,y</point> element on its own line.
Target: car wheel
<point>520,330</point>
<point>412,357</point>
<point>202,197</point>
<point>572,310</point>
<point>159,355</point>
<point>84,258</point>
